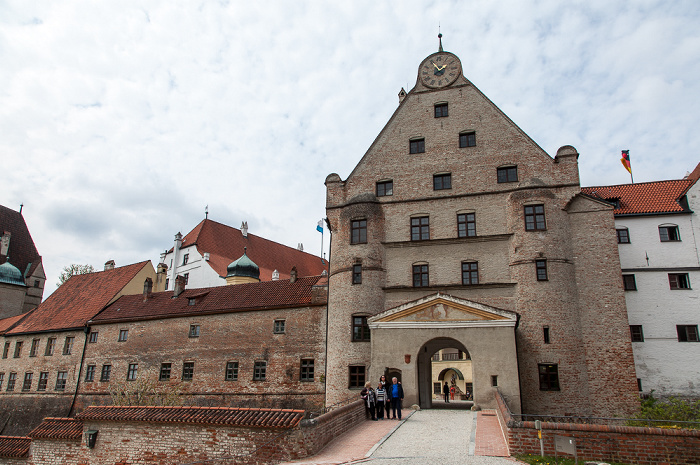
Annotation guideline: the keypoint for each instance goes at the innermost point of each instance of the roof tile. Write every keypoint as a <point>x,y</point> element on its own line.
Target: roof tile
<point>644,198</point>
<point>14,446</point>
<point>58,428</point>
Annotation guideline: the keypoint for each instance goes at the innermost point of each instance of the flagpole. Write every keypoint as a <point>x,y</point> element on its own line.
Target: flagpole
<point>321,244</point>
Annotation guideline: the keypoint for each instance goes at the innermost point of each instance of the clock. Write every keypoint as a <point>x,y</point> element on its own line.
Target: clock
<point>440,70</point>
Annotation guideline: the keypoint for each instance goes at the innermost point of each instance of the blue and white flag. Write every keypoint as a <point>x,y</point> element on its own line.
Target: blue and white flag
<point>319,226</point>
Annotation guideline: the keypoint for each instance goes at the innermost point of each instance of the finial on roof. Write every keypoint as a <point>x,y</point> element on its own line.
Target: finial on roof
<point>440,39</point>
<point>206,212</point>
<point>20,208</point>
<point>244,250</point>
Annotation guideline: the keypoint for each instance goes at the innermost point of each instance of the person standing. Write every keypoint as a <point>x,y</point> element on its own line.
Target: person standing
<point>396,398</point>
<point>381,399</point>
<point>370,398</point>
<point>386,385</point>
<point>446,392</point>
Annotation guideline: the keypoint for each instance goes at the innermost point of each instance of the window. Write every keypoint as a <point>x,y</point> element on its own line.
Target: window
<point>279,326</point>
<point>639,384</point>
<point>534,218</point>
<point>90,374</point>
<point>440,110</point>
<point>467,139</point>
<point>357,274</point>
<point>679,280</point>
<point>357,377</point>
<point>307,370</point>
<point>185,259</point>
<point>2,378</point>
<point>466,225</point>
<point>629,282</point>
<point>61,379</point>
<point>545,333</point>
<point>549,376</point>
<point>36,283</point>
<point>34,348</point>
<point>11,380</point>
<point>636,333</point>
<point>165,370</point>
<point>358,231</point>
<point>123,335</point>
<point>187,278</point>
<point>623,236</point>
<point>68,345</point>
<point>187,371</point>
<point>507,174</point>
<point>470,273</point>
<point>43,381</point>
<point>541,269</point>
<point>494,380</point>
<point>442,181</point>
<point>669,233</point>
<point>385,188</point>
<point>50,346</point>
<point>18,349</point>
<point>106,372</point>
<point>420,228</point>
<point>259,370</point>
<point>194,331</point>
<point>93,337</point>
<point>686,333</point>
<point>231,371</point>
<point>417,146</point>
<point>360,329</point>
<point>420,276</point>
<point>133,372</point>
<point>27,385</point>
<point>437,388</point>
<point>167,283</point>
<point>6,350</point>
<point>191,302</point>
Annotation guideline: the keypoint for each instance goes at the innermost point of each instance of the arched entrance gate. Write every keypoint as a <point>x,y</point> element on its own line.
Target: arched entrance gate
<point>432,366</point>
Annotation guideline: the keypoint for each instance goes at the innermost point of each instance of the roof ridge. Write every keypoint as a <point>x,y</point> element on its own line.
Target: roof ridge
<point>636,183</point>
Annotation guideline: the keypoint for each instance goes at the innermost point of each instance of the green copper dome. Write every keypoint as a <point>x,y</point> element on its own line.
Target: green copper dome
<point>9,274</point>
<point>244,267</point>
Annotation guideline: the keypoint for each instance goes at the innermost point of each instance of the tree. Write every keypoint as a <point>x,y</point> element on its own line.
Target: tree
<point>72,270</point>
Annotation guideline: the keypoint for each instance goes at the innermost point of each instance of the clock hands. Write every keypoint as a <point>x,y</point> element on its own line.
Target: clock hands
<point>439,70</point>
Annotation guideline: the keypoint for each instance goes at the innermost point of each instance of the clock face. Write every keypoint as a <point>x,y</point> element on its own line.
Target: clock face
<point>440,69</point>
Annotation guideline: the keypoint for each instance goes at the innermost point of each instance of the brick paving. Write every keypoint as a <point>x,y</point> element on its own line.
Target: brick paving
<point>489,435</point>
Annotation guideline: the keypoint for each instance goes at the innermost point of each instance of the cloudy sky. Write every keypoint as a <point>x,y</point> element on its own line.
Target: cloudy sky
<point>120,121</point>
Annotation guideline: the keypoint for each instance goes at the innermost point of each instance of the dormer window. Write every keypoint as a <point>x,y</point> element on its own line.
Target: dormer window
<point>441,110</point>
<point>615,202</point>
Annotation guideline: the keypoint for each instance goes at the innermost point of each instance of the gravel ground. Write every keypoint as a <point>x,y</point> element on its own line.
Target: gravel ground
<point>440,437</point>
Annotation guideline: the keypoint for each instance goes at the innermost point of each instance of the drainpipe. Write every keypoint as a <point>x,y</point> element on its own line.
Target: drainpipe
<point>328,304</point>
<point>517,362</point>
<point>86,331</point>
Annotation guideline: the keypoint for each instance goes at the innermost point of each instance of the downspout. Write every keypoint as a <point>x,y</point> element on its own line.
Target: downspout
<point>86,331</point>
<point>328,304</point>
<point>517,362</point>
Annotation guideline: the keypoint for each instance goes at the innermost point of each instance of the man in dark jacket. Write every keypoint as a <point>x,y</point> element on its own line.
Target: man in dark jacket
<point>446,392</point>
<point>396,393</point>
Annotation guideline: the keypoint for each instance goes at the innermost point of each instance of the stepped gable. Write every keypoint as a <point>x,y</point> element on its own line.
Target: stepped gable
<point>78,299</point>
<point>14,446</point>
<point>219,299</point>
<point>225,244</point>
<point>645,197</point>
<point>23,253</point>
<point>58,428</point>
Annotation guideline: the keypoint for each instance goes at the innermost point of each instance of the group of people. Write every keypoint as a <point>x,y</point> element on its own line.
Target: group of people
<point>387,396</point>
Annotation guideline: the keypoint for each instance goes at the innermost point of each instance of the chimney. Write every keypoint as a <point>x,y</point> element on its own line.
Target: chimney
<point>293,275</point>
<point>161,275</point>
<point>109,265</point>
<point>206,256</point>
<point>147,289</point>
<point>244,228</point>
<point>5,243</point>
<point>179,287</point>
<point>300,247</point>
<point>275,275</point>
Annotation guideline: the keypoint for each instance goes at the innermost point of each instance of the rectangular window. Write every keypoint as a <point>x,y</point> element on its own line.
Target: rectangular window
<point>18,349</point>
<point>507,174</point>
<point>360,329</point>
<point>50,346</point>
<point>279,326</point>
<point>541,269</point>
<point>636,333</point>
<point>420,228</point>
<point>133,372</point>
<point>687,333</point>
<point>187,278</point>
<point>440,110</point>
<point>466,225</point>
<point>417,146</point>
<point>545,333</point>
<point>494,380</point>
<point>11,380</point>
<point>231,371</point>
<point>385,188</point>
<point>34,349</point>
<point>549,376</point>
<point>165,370</point>
<point>623,236</point>
<point>470,273</point>
<point>467,139</point>
<point>358,229</point>
<point>185,259</point>
<point>357,377</point>
<point>68,345</point>
<point>106,372</point>
<point>187,371</point>
<point>437,388</point>
<point>639,384</point>
<point>442,181</point>
<point>6,350</point>
<point>420,276</point>
<point>61,379</point>
<point>43,381</point>
<point>357,274</point>
<point>307,370</point>
<point>678,281</point>
<point>669,233</point>
<point>260,370</point>
<point>123,335</point>
<point>93,337</point>
<point>534,218</point>
<point>194,331</point>
<point>167,283</point>
<point>90,374</point>
<point>629,282</point>
<point>2,378</point>
<point>27,385</point>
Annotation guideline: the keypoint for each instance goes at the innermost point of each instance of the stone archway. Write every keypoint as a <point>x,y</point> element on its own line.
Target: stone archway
<point>425,366</point>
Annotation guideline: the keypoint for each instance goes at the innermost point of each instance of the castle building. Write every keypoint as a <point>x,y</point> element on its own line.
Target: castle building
<point>455,230</point>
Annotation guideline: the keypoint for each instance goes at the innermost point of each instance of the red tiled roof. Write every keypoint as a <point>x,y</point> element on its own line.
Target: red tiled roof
<point>225,244</point>
<point>8,323</point>
<point>240,297</point>
<point>78,299</point>
<point>22,251</point>
<point>58,428</point>
<point>250,417</point>
<point>14,446</point>
<point>645,197</point>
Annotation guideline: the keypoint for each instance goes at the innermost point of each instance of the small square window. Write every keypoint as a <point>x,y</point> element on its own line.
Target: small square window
<point>358,229</point>
<point>417,146</point>
<point>357,274</point>
<point>260,370</point>
<point>165,370</point>
<point>420,276</point>
<point>541,270</point>
<point>629,282</point>
<point>420,228</point>
<point>18,349</point>
<point>636,333</point>
<point>68,346</point>
<point>61,379</point>
<point>470,273</point>
<point>669,234</point>
<point>123,335</point>
<point>93,337</point>
<point>43,381</point>
<point>35,348</point>
<point>106,372</point>
<point>360,329</point>
<point>231,371</point>
<point>442,181</point>
<point>507,174</point>
<point>27,385</point>
<point>191,302</point>
<point>133,372</point>
<point>385,188</point>
<point>194,331</point>
<point>11,380</point>
<point>623,236</point>
<point>90,374</point>
<point>185,259</point>
<point>279,326</point>
<point>440,110</point>
<point>36,283</point>
<point>679,280</point>
<point>687,333</point>
<point>187,371</point>
<point>549,376</point>
<point>467,139</point>
<point>466,225</point>
<point>534,218</point>
<point>307,370</point>
<point>357,377</point>
<point>50,346</point>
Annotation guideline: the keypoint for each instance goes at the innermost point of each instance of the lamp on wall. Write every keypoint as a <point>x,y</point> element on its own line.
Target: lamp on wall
<point>91,438</point>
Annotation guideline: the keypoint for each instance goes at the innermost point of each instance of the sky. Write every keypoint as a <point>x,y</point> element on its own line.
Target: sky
<point>121,121</point>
